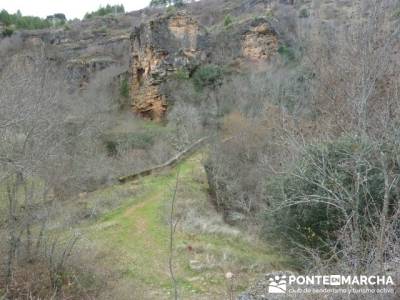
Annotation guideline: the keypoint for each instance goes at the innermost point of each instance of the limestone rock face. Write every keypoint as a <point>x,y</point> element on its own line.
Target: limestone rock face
<point>260,42</point>
<point>248,43</point>
<point>158,49</point>
<point>143,49</point>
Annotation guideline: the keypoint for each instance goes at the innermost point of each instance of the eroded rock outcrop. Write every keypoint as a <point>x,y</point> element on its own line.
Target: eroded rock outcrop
<point>169,43</point>
<point>160,48</point>
<point>259,42</point>
<point>146,55</point>
<point>248,41</point>
<point>81,49</point>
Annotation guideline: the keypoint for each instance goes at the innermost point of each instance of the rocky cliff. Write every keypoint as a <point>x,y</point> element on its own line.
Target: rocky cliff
<point>158,49</point>
<point>177,41</point>
<point>148,46</point>
<point>259,42</point>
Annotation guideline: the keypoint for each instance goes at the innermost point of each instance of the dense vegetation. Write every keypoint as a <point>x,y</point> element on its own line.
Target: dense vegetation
<point>107,10</point>
<point>207,76</point>
<point>330,182</point>
<point>165,2</point>
<point>17,21</point>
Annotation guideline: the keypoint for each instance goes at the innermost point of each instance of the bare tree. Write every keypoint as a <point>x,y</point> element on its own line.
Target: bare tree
<point>47,138</point>
<point>354,66</point>
<point>354,93</point>
<point>172,225</point>
<point>31,134</point>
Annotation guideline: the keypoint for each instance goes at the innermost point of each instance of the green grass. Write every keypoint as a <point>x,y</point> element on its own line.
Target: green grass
<point>135,237</point>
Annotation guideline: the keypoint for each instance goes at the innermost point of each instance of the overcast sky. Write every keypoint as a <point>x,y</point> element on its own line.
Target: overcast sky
<point>71,8</point>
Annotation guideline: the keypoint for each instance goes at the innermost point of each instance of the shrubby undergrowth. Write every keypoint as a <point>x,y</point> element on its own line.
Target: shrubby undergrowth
<point>333,187</point>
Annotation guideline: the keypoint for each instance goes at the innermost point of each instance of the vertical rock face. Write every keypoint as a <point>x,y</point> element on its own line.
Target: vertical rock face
<point>259,42</point>
<point>252,40</point>
<point>146,55</point>
<point>178,42</point>
<point>159,48</point>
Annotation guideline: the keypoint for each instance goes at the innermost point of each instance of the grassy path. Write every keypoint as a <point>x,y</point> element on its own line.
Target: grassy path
<point>136,238</point>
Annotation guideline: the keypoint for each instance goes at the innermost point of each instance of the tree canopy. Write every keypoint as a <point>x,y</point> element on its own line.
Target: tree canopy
<point>154,3</point>
<point>19,21</point>
<point>107,10</point>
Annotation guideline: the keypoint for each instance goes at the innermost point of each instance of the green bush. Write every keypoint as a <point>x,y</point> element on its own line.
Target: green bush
<point>56,19</point>
<point>142,139</point>
<point>178,3</point>
<point>32,23</point>
<point>8,32</point>
<point>208,76</point>
<point>182,74</point>
<point>6,18</point>
<point>227,20</point>
<point>107,10</point>
<point>396,14</point>
<point>124,88</point>
<point>111,147</point>
<point>23,22</point>
<point>171,9</point>
<point>287,53</point>
<point>155,3</point>
<point>330,182</point>
<point>304,13</point>
<point>101,30</point>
